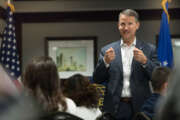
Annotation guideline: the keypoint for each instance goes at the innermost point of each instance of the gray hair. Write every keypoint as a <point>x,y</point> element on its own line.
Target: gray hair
<point>130,12</point>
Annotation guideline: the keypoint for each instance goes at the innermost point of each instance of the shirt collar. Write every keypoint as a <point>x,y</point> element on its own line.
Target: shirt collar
<point>123,44</point>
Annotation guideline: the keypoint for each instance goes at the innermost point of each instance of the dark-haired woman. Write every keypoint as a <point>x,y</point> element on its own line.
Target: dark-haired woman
<point>42,81</point>
<point>84,94</point>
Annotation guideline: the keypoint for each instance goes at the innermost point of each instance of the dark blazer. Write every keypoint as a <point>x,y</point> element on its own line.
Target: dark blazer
<point>150,104</point>
<point>139,79</point>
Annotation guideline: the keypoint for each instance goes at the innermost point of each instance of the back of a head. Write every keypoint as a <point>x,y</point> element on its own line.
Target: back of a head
<point>79,89</point>
<point>41,72</point>
<point>42,81</point>
<point>160,76</point>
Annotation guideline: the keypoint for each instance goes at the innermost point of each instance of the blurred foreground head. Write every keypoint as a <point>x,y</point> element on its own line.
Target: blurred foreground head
<point>6,84</point>
<point>160,79</point>
<point>19,107</point>
<point>14,105</point>
<point>42,81</point>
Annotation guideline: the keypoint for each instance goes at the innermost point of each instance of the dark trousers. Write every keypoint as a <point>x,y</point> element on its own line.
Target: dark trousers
<point>125,111</point>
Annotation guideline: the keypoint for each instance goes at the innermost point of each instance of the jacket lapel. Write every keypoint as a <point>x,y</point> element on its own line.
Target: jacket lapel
<point>139,46</point>
<point>118,59</point>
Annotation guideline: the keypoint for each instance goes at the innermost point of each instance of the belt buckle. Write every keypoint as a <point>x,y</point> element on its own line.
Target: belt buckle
<point>126,100</point>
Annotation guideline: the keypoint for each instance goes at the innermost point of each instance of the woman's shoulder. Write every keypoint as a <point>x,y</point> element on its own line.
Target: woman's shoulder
<point>93,110</point>
<point>71,106</point>
<point>70,102</point>
<point>88,113</point>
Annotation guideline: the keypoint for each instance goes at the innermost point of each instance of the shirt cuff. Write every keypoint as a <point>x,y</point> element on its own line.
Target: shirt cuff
<point>144,65</point>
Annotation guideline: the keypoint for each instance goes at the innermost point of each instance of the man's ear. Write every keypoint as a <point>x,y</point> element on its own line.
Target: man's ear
<point>137,25</point>
<point>165,85</point>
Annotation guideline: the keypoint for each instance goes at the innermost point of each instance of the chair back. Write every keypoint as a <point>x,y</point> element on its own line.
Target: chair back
<point>141,116</point>
<point>105,116</point>
<point>60,116</point>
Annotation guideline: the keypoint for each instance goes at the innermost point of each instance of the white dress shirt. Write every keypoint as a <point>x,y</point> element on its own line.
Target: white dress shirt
<point>127,57</point>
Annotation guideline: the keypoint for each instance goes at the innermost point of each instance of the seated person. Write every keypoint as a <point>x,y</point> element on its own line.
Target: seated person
<point>160,77</point>
<point>169,107</point>
<point>41,80</point>
<point>14,105</point>
<point>84,94</point>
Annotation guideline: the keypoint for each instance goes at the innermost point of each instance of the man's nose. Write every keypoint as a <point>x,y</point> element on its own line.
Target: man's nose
<point>126,27</point>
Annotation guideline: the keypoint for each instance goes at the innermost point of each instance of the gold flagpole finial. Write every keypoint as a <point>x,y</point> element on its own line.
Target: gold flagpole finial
<point>10,5</point>
<point>163,4</point>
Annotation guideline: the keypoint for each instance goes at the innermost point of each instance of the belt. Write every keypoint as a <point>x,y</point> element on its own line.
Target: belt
<point>126,99</point>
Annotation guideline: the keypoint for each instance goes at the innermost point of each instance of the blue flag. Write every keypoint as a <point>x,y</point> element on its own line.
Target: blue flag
<point>9,57</point>
<point>165,51</point>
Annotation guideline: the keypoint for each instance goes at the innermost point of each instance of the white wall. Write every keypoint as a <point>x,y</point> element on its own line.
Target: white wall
<point>34,34</point>
<point>2,3</point>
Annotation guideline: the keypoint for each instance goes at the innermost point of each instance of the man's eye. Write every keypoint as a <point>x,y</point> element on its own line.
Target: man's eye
<point>122,24</point>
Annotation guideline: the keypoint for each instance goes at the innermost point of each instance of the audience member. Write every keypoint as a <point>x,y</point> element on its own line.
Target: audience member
<point>13,102</point>
<point>19,107</point>
<point>169,108</point>
<point>84,94</point>
<point>42,81</point>
<point>160,78</point>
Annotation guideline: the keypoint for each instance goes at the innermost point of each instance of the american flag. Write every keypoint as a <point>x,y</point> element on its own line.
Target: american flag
<point>9,57</point>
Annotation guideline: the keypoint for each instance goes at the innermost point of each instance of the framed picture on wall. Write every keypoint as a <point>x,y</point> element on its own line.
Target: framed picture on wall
<point>174,38</point>
<point>176,47</point>
<point>72,54</point>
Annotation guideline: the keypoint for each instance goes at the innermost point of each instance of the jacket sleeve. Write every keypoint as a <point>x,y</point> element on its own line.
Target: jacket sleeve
<point>100,74</point>
<point>152,61</point>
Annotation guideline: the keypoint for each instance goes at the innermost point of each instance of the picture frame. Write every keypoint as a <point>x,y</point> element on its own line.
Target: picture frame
<point>174,38</point>
<point>72,55</point>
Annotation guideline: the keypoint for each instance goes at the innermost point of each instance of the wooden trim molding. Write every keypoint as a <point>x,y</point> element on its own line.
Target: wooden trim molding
<point>2,16</point>
<point>2,13</point>
<point>90,16</point>
<point>31,0</point>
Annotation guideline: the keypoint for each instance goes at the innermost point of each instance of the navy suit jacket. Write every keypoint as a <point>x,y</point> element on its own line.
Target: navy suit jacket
<point>113,75</point>
<point>150,104</point>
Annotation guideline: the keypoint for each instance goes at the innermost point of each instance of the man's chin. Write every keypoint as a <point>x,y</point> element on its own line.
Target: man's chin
<point>126,38</point>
